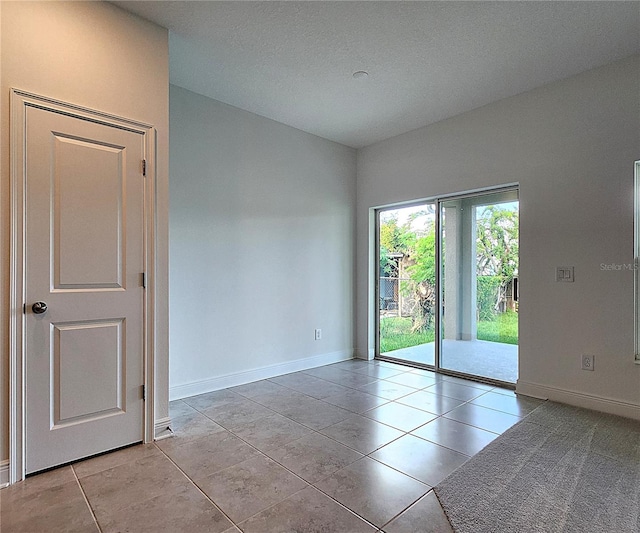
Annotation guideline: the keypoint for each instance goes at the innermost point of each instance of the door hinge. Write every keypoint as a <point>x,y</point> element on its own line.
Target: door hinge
<point>144,280</point>
<point>144,167</point>
<point>144,392</point>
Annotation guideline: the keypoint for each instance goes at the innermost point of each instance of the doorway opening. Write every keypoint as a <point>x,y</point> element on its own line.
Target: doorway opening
<point>463,253</point>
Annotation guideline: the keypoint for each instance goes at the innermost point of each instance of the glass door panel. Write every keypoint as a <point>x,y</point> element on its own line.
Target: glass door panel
<point>479,280</point>
<point>407,283</point>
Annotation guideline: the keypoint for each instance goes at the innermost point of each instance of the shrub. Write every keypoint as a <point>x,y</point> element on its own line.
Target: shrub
<point>487,291</point>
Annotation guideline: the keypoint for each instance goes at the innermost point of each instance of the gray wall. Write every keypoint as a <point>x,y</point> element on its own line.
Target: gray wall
<point>95,55</point>
<point>571,146</point>
<point>262,220</point>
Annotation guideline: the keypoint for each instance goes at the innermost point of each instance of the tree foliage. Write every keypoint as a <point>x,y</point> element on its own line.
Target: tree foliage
<point>497,256</point>
<point>417,249</point>
<point>497,242</point>
<point>496,249</point>
<point>422,272</point>
<point>423,268</point>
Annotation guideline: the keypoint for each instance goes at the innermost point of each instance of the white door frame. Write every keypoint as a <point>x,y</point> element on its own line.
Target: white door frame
<point>20,101</point>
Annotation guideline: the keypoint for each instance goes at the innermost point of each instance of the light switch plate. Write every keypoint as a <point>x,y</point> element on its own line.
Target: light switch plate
<point>564,273</point>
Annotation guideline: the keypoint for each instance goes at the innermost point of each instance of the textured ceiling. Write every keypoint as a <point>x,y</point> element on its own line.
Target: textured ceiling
<point>427,61</point>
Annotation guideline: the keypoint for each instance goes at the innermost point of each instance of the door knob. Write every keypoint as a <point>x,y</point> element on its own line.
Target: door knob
<point>39,308</point>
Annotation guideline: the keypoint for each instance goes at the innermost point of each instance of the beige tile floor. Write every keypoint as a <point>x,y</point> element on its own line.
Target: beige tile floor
<point>353,446</point>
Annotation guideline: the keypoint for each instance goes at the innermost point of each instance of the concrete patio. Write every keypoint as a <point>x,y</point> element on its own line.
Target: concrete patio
<point>493,360</point>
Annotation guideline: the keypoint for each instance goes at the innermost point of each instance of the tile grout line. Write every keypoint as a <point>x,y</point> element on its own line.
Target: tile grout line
<point>86,499</point>
<point>363,415</point>
<point>388,401</point>
<point>406,509</point>
<point>368,455</point>
<point>310,485</point>
<point>195,485</point>
<point>318,432</point>
<point>423,389</point>
<point>307,483</point>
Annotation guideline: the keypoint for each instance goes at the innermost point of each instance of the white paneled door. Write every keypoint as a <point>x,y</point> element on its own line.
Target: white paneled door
<point>84,264</point>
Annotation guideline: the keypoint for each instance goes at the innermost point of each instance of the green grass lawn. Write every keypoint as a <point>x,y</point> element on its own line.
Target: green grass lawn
<point>395,332</point>
<point>503,329</point>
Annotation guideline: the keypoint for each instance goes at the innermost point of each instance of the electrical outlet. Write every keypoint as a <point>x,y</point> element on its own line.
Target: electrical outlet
<point>588,362</point>
<point>318,334</point>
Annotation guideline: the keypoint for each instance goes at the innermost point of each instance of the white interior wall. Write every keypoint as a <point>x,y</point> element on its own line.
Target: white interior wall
<point>94,55</point>
<point>571,146</point>
<point>262,220</point>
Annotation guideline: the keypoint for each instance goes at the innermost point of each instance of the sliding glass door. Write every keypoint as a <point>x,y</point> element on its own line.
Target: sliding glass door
<point>407,283</point>
<point>462,252</point>
<point>479,286</point>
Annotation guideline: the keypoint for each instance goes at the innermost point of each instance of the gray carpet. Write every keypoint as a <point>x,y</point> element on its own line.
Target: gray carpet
<point>561,469</point>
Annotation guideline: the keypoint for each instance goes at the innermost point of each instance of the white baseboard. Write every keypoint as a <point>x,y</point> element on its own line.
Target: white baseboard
<point>4,474</point>
<point>579,399</point>
<point>163,428</point>
<point>240,378</point>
